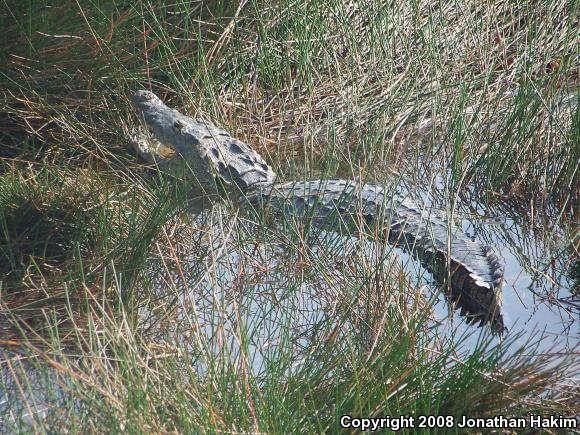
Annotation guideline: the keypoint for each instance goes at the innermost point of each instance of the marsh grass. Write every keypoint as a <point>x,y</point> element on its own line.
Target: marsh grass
<point>121,312</point>
<point>59,229</point>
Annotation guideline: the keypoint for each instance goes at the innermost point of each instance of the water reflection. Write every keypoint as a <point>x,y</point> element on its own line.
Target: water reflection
<point>534,248</point>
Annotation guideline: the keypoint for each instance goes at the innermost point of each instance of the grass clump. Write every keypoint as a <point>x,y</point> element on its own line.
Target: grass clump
<point>59,229</point>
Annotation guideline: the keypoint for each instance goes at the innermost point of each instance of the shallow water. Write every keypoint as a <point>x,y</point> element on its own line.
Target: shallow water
<point>536,295</point>
<point>243,303</point>
<point>535,303</point>
<point>537,298</point>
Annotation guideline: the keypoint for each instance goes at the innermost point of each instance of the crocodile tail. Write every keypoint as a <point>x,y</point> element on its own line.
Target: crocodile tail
<point>474,274</point>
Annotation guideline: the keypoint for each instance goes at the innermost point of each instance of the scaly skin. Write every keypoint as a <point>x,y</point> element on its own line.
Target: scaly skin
<point>213,158</point>
<point>209,153</point>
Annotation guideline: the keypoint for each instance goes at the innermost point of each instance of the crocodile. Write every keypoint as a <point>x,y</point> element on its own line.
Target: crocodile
<point>217,162</point>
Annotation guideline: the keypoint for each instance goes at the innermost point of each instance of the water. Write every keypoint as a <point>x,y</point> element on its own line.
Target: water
<point>250,301</point>
<point>536,293</point>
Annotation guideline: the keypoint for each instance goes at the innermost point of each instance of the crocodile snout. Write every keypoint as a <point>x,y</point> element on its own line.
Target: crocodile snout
<point>142,96</point>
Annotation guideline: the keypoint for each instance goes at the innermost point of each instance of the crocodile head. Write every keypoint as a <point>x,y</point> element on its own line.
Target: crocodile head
<point>210,155</point>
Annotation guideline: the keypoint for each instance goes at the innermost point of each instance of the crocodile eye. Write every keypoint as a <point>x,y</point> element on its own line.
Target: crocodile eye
<point>179,125</point>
